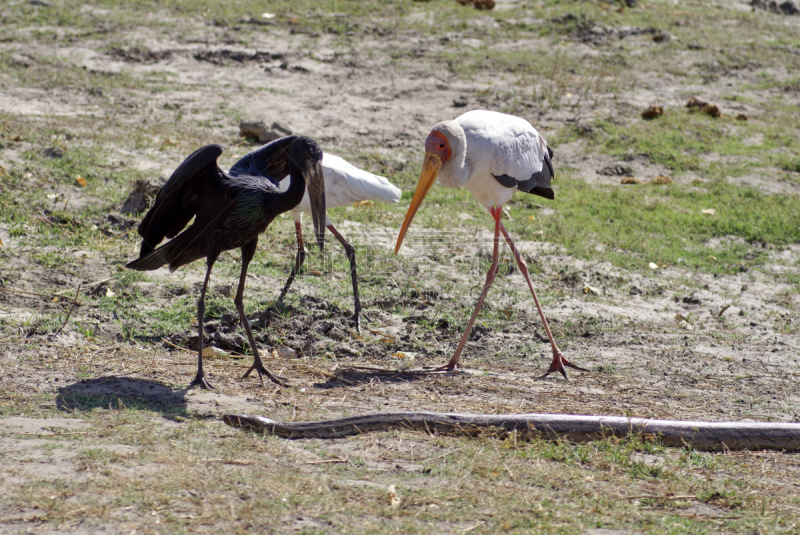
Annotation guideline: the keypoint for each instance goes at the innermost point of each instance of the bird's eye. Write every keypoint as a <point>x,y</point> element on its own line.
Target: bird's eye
<point>441,145</point>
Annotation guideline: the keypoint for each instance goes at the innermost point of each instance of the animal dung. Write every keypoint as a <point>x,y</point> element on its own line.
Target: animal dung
<point>630,180</point>
<point>484,5</point>
<point>698,104</point>
<point>652,112</point>
<point>661,180</point>
<point>711,110</point>
<point>742,117</point>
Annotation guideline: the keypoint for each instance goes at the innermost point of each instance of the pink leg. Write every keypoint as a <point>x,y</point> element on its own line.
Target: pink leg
<point>450,366</point>
<point>558,359</point>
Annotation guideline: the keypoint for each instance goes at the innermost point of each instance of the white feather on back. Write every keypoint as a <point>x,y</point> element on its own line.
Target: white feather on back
<point>345,184</point>
<point>509,145</point>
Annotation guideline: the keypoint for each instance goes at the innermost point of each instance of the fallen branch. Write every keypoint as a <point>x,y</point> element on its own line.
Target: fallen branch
<point>69,313</point>
<point>37,294</point>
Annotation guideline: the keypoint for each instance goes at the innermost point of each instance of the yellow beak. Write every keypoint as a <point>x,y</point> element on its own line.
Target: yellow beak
<point>430,170</point>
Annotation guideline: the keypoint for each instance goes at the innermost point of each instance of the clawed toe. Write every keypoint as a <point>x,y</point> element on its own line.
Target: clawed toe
<point>558,366</point>
<point>200,381</point>
<point>262,371</point>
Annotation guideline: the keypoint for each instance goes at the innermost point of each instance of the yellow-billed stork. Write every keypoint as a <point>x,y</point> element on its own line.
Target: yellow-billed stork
<point>345,184</point>
<point>492,155</point>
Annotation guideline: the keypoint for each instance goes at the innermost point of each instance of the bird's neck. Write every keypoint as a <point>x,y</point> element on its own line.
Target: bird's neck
<point>455,171</point>
<point>297,188</point>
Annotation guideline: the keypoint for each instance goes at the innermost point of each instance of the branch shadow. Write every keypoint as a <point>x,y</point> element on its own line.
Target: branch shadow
<point>119,393</point>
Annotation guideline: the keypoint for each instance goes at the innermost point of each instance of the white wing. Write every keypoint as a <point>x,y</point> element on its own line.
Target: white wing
<point>346,184</point>
<point>510,145</point>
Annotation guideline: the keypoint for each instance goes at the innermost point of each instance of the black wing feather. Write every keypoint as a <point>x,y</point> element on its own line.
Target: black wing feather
<point>269,161</point>
<point>177,202</point>
<point>537,184</point>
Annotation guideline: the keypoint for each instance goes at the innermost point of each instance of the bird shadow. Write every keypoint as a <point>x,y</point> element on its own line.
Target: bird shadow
<point>352,376</point>
<point>120,393</point>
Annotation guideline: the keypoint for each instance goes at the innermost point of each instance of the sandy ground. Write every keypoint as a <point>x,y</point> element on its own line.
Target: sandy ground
<point>669,344</point>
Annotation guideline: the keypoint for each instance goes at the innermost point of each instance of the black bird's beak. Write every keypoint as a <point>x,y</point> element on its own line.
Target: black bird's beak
<point>315,183</point>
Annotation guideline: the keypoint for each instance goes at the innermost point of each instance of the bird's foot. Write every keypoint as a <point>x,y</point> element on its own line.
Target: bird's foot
<point>559,361</point>
<point>262,371</point>
<point>200,381</point>
<point>447,369</point>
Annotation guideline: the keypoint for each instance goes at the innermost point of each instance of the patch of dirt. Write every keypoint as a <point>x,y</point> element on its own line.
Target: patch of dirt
<point>672,343</point>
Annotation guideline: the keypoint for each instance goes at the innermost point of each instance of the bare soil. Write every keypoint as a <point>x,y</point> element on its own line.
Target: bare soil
<point>669,344</point>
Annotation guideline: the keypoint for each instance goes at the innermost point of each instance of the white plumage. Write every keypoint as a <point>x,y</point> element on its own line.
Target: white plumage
<point>487,144</point>
<point>493,155</point>
<point>346,184</point>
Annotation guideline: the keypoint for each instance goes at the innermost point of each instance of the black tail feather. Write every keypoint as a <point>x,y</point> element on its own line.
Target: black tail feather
<point>154,259</point>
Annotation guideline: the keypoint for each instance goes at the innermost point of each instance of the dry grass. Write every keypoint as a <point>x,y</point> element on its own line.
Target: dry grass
<point>98,430</point>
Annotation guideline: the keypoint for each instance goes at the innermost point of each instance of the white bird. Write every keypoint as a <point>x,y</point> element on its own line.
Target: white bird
<point>492,155</point>
<point>345,184</point>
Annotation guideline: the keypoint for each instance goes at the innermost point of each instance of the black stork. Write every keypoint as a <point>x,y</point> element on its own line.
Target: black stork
<point>345,184</point>
<point>229,212</point>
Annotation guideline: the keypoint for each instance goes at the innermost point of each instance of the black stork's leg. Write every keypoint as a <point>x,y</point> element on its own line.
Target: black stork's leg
<point>559,361</point>
<point>298,262</point>
<point>199,379</point>
<point>247,255</point>
<point>490,276</point>
<point>351,255</point>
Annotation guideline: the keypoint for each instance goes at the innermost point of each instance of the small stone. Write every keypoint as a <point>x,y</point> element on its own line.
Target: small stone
<point>285,352</point>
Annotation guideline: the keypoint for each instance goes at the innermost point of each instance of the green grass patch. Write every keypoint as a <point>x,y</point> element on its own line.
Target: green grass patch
<point>683,141</point>
<point>665,224</point>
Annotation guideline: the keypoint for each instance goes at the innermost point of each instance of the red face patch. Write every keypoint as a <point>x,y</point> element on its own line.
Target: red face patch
<point>437,144</point>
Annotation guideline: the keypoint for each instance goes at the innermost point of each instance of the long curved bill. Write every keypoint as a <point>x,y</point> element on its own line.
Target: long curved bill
<point>315,184</point>
<point>430,170</point>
